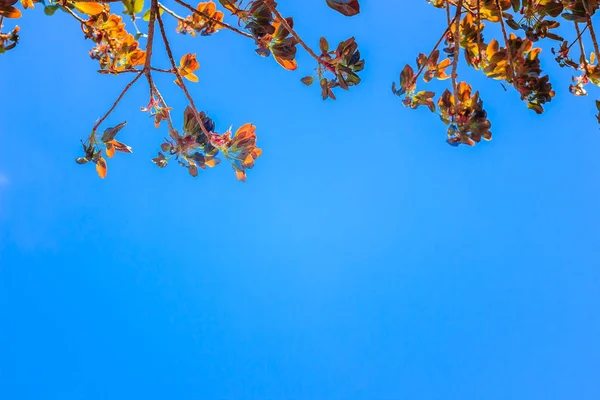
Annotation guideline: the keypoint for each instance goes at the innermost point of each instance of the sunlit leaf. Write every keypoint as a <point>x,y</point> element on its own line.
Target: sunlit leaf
<point>101,167</point>
<point>10,12</point>
<point>89,8</point>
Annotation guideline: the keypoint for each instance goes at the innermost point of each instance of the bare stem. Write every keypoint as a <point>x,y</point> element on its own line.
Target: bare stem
<point>171,12</point>
<point>77,17</point>
<point>479,31</point>
<point>593,35</point>
<point>283,21</point>
<point>179,78</point>
<point>432,51</point>
<point>506,42</point>
<point>456,38</point>
<point>149,44</point>
<point>578,38</point>
<point>582,57</point>
<point>162,100</point>
<point>129,85</point>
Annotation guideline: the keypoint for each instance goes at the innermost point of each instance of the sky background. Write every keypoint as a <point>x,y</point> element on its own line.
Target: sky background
<point>363,259</point>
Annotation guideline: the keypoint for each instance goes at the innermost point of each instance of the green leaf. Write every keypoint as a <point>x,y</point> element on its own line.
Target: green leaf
<point>133,7</point>
<point>516,4</point>
<point>146,16</point>
<point>50,10</point>
<point>138,6</point>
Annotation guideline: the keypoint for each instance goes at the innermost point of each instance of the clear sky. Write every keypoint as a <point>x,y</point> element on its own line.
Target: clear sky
<point>363,259</point>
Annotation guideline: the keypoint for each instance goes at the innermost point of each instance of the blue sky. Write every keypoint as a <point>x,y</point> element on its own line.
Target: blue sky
<point>363,259</point>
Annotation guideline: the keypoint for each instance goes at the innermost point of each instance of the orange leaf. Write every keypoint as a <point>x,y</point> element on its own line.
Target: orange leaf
<point>212,162</point>
<point>10,12</point>
<point>191,77</point>
<point>89,8</point>
<point>240,175</point>
<point>110,150</point>
<point>290,65</point>
<point>256,153</point>
<point>101,167</point>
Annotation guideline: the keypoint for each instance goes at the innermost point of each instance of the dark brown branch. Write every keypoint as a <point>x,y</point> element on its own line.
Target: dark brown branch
<point>478,22</point>
<point>582,57</point>
<point>179,78</point>
<point>209,18</point>
<point>578,38</point>
<point>432,51</point>
<point>162,100</point>
<point>593,35</point>
<point>130,70</point>
<point>456,38</point>
<point>283,21</point>
<point>506,42</point>
<point>149,44</point>
<point>129,85</point>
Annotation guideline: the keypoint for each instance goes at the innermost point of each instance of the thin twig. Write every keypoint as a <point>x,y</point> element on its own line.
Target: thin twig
<point>479,53</point>
<point>582,57</point>
<point>283,21</point>
<point>149,44</point>
<point>432,51</point>
<point>133,70</point>
<point>77,17</point>
<point>129,85</point>
<point>209,18</point>
<point>593,35</point>
<point>171,12</point>
<point>179,78</point>
<point>456,38</point>
<point>506,42</point>
<point>579,33</point>
<point>162,100</point>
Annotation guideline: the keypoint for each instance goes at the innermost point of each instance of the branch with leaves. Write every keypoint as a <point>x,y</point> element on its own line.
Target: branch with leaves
<point>516,63</point>
<point>119,51</point>
<point>511,57</point>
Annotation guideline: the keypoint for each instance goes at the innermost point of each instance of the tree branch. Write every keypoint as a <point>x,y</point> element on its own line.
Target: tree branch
<point>149,44</point>
<point>94,1</point>
<point>506,42</point>
<point>179,78</point>
<point>129,85</point>
<point>432,51</point>
<point>205,16</point>
<point>283,21</point>
<point>593,35</point>
<point>456,38</point>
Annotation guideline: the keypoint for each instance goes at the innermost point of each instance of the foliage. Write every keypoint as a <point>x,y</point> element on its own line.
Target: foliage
<point>515,62</point>
<point>512,57</point>
<point>118,50</point>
